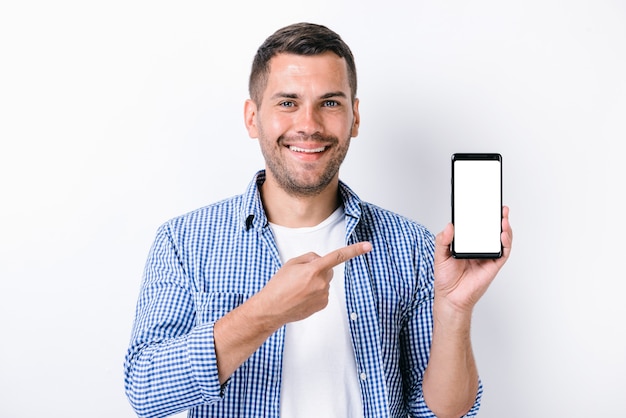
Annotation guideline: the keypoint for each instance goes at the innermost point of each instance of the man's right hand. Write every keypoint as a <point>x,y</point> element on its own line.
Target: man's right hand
<point>298,290</point>
<point>301,287</point>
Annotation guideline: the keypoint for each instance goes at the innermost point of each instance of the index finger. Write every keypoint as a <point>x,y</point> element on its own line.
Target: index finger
<point>334,258</point>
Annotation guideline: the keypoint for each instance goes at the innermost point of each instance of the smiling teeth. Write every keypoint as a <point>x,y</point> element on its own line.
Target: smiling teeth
<point>310,151</point>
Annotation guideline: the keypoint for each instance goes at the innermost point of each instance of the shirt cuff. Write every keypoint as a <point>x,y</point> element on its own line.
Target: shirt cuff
<point>201,349</point>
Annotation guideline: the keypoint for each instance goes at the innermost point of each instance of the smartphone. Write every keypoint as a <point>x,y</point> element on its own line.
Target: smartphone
<point>477,205</point>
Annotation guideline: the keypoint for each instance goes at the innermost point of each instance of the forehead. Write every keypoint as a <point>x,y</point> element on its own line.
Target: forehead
<point>322,70</point>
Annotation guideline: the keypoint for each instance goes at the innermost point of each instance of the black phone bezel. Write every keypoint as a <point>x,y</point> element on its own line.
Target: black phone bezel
<point>475,157</point>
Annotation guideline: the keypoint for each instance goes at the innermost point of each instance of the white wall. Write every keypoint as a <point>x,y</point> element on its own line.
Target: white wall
<point>116,116</point>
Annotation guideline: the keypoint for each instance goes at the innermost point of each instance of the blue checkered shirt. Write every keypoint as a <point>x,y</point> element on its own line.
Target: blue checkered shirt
<point>209,261</point>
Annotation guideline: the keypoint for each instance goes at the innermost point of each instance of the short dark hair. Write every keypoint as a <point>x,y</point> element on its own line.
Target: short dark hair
<point>300,39</point>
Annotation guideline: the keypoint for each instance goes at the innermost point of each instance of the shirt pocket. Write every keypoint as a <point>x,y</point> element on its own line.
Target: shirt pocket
<point>211,306</point>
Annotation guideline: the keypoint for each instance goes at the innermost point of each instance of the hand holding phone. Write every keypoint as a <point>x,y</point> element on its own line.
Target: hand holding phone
<point>477,205</point>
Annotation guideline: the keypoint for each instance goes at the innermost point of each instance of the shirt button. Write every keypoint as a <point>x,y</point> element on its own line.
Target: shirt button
<point>353,316</point>
<point>363,376</point>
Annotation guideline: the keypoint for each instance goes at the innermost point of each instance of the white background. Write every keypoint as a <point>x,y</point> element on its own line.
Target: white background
<point>116,116</point>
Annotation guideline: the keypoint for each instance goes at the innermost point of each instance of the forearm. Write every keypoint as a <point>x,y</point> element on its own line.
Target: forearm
<point>298,290</point>
<point>239,333</point>
<point>451,378</point>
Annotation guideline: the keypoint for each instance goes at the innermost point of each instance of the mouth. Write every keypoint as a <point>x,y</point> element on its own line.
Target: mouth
<point>307,150</point>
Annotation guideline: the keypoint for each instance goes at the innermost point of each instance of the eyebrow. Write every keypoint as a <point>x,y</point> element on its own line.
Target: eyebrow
<point>295,96</point>
<point>334,94</point>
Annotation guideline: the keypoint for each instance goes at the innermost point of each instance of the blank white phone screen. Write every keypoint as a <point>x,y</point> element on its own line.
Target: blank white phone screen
<point>477,206</point>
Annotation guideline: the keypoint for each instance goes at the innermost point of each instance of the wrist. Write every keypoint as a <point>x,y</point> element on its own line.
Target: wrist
<point>263,315</point>
<point>450,316</point>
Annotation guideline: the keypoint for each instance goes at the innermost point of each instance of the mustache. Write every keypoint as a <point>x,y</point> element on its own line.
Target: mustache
<point>316,137</point>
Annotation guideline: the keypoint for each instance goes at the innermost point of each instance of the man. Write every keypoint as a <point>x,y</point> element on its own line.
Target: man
<point>297,299</point>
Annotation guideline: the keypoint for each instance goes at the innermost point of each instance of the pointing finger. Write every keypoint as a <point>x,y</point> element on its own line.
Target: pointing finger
<point>334,258</point>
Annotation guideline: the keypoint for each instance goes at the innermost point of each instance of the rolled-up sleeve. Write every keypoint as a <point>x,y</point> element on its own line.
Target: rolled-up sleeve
<point>416,341</point>
<point>170,365</point>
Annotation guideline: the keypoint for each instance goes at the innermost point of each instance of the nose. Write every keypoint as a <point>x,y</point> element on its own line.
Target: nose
<point>308,121</point>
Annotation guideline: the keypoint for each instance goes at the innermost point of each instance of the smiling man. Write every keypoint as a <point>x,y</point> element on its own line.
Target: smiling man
<point>296,298</point>
<point>304,121</point>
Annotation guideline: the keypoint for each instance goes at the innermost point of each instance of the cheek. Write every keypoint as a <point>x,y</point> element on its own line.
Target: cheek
<point>341,125</point>
<point>276,124</point>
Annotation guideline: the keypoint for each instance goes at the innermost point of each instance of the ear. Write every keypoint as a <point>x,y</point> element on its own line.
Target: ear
<point>357,118</point>
<point>249,117</point>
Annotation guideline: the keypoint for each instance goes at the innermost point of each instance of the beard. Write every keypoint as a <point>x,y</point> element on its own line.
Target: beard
<point>308,179</point>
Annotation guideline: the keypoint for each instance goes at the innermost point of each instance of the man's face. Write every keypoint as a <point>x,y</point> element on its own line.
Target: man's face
<point>305,121</point>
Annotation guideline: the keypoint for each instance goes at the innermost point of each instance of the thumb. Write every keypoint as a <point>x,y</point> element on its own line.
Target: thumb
<point>443,241</point>
<point>303,259</point>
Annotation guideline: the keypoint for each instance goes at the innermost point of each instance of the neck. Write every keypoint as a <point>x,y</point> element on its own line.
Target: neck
<point>285,209</point>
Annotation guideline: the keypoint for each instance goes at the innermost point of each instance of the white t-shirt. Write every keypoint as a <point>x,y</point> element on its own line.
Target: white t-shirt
<point>319,370</point>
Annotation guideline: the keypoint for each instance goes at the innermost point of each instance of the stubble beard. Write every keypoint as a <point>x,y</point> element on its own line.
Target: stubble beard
<point>297,185</point>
